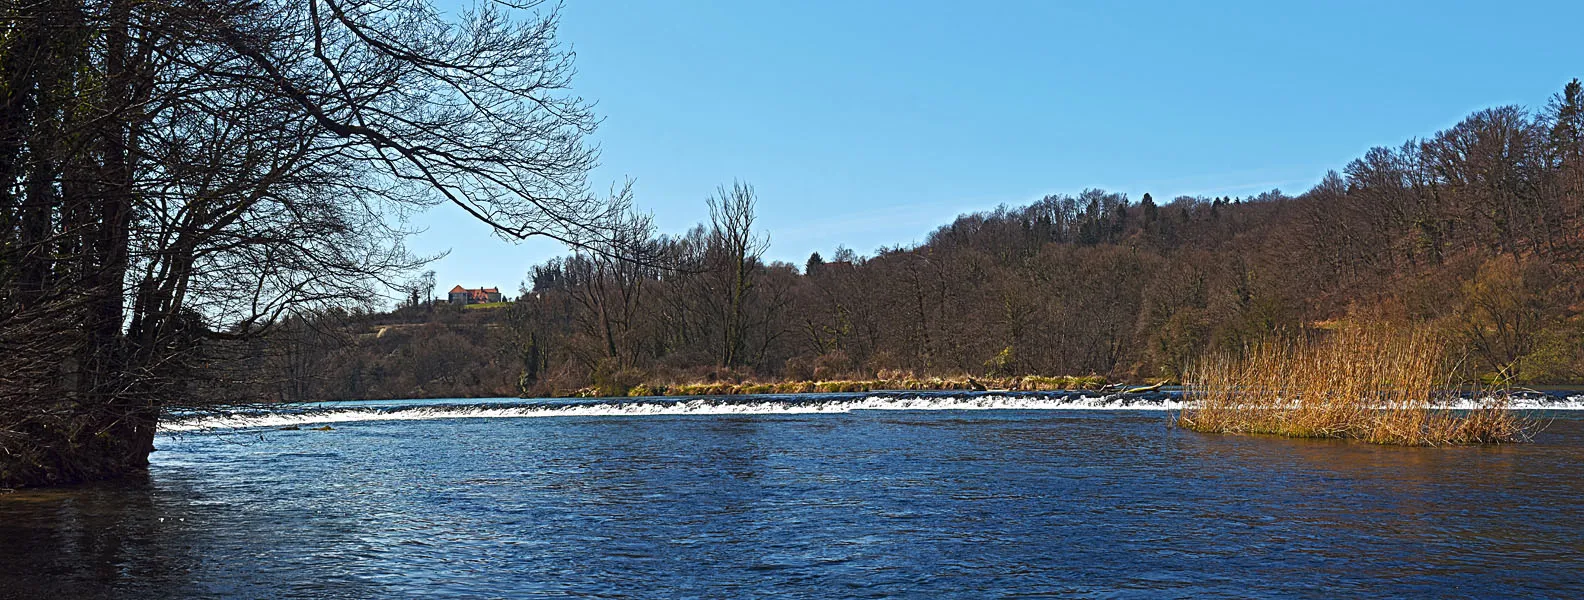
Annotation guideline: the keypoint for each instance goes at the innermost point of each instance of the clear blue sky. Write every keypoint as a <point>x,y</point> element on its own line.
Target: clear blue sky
<point>869,124</point>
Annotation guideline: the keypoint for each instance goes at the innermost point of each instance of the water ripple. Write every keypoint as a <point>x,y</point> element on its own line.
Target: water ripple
<point>822,503</point>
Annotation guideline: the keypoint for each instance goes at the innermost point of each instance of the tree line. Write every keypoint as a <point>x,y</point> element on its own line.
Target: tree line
<point>1474,231</point>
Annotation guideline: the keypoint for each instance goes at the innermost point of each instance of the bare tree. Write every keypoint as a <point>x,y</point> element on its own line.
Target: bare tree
<point>419,291</point>
<point>608,278</point>
<point>179,175</point>
<point>733,255</point>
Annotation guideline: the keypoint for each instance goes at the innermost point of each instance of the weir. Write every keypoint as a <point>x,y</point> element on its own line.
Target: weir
<point>322,413</point>
<point>420,410</point>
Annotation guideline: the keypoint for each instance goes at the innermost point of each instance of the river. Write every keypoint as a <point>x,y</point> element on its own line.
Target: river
<point>929,496</point>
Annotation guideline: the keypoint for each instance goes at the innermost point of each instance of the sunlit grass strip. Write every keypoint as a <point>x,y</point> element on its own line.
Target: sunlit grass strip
<point>1029,383</point>
<point>1371,383</point>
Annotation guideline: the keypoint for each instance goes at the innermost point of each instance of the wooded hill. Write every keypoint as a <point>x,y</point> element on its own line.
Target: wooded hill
<point>1474,231</point>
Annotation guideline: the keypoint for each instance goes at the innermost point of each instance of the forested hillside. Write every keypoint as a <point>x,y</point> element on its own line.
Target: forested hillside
<point>1474,231</point>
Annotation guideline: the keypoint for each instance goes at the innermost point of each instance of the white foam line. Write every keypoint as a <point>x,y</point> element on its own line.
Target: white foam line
<point>1521,403</point>
<point>684,407</point>
<point>703,406</point>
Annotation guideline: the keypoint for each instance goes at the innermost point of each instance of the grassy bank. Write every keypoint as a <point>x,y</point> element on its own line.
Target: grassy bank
<point>1365,382</point>
<point>1027,383</point>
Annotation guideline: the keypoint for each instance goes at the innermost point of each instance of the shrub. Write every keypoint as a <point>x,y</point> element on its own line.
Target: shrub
<point>1003,363</point>
<point>831,365</point>
<point>894,375</point>
<point>609,381</point>
<point>798,368</point>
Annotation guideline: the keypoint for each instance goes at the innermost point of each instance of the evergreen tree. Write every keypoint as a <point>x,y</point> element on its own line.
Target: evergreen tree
<point>1151,212</point>
<point>1567,118</point>
<point>815,261</point>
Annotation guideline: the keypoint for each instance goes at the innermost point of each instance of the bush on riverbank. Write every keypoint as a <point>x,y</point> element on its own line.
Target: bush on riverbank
<point>1366,381</point>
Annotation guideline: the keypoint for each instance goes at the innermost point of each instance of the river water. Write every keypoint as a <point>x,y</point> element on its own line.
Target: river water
<point>929,496</point>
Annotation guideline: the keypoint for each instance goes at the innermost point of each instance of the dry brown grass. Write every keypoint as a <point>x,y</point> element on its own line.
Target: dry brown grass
<point>898,381</point>
<point>1368,382</point>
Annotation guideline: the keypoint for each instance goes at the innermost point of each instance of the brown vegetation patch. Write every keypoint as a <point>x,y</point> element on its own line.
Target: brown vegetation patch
<point>1029,383</point>
<point>1367,382</point>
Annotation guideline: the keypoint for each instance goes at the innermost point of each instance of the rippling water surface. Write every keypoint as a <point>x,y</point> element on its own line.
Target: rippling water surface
<point>976,500</point>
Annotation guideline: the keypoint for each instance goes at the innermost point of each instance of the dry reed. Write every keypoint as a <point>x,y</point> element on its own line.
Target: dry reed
<point>1368,382</point>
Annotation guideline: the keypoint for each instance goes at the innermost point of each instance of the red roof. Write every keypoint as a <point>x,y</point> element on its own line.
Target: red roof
<point>478,295</point>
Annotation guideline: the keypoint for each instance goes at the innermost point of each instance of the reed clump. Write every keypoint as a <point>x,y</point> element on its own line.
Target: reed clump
<point>1371,382</point>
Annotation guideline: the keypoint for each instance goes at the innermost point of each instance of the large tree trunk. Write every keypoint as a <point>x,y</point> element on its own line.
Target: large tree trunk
<point>74,400</point>
<point>124,433</point>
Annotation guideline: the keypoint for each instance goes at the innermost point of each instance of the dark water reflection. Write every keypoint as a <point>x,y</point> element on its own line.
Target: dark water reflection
<point>869,504</point>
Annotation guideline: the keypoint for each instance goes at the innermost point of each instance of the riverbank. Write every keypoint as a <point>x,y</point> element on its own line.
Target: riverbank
<point>1027,383</point>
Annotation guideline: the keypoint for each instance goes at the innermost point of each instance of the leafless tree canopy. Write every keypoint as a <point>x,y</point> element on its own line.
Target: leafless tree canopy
<point>179,174</point>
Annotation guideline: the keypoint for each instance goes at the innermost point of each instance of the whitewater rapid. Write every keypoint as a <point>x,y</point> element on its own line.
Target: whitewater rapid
<point>511,408</point>
<point>323,414</point>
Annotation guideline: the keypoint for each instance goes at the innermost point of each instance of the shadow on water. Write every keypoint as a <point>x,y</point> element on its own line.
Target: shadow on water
<point>138,537</point>
<point>101,540</point>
